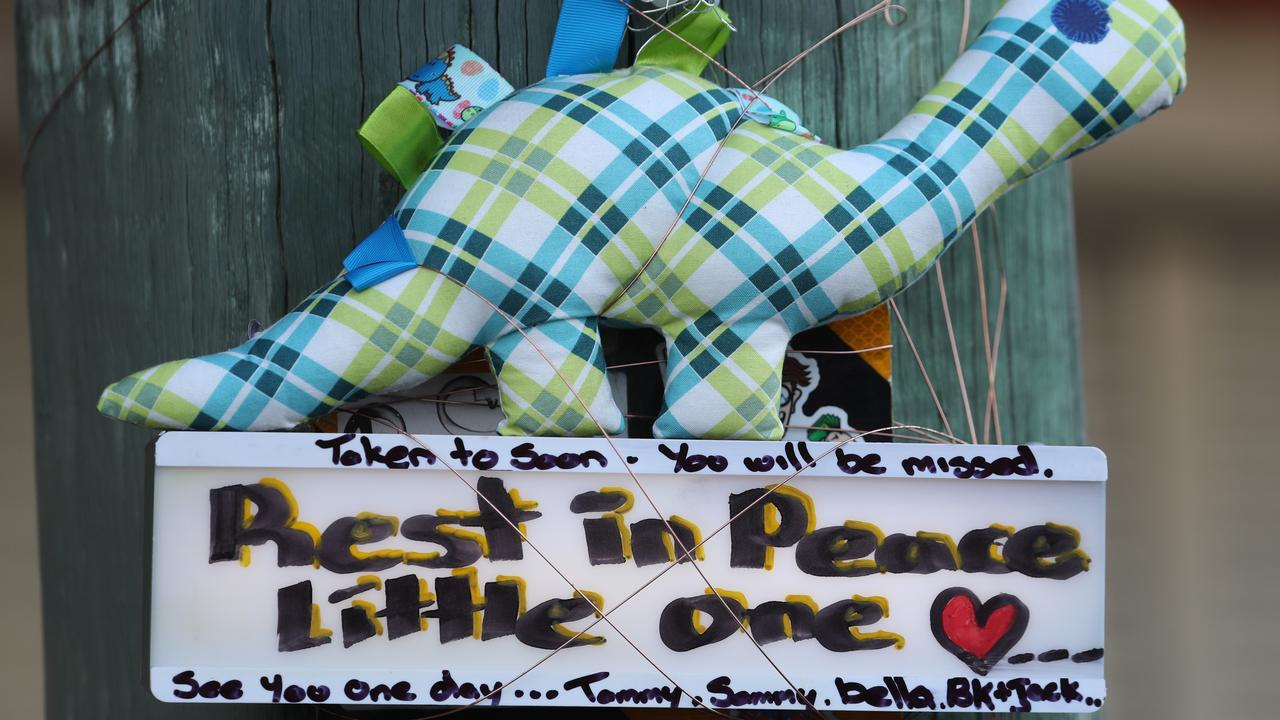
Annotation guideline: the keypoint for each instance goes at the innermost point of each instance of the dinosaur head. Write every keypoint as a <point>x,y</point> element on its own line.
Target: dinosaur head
<point>1142,40</point>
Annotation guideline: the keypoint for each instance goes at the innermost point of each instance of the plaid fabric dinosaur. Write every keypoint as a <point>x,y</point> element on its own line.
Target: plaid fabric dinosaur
<point>564,205</point>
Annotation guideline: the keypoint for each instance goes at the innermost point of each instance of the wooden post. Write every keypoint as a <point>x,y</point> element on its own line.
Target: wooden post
<point>203,171</point>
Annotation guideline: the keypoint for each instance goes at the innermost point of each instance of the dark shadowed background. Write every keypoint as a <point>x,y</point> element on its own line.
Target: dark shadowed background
<point>1176,229</point>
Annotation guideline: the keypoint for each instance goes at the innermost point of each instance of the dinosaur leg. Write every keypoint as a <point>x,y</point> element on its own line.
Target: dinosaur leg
<point>339,345</point>
<point>534,394</point>
<point>723,381</point>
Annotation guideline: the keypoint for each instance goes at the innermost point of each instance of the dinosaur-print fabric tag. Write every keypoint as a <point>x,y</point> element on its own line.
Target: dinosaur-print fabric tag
<point>456,86</point>
<point>770,112</point>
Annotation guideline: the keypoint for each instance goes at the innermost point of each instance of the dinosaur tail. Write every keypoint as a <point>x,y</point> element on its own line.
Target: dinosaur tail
<point>336,347</point>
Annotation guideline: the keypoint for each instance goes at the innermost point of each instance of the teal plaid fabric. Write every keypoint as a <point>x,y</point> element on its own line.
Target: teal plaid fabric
<point>549,204</point>
<point>336,347</point>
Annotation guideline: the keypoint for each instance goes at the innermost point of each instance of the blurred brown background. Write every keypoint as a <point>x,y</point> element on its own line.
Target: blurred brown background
<point>1178,249</point>
<point>1178,255</point>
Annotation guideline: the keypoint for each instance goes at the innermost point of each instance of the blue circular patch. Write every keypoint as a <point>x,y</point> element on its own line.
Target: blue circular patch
<point>1085,21</point>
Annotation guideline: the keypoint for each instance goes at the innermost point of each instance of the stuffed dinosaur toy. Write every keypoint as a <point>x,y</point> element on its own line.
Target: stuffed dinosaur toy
<point>594,198</point>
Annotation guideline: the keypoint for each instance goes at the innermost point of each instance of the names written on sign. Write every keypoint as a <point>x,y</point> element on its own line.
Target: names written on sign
<point>1017,694</point>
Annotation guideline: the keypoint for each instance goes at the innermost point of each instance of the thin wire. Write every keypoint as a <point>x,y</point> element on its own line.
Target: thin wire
<point>964,26</point>
<point>662,27</point>
<point>955,352</point>
<point>986,331</point>
<point>525,538</point>
<point>688,554</point>
<point>902,324</point>
<point>485,386</point>
<point>638,416</point>
<point>937,436</point>
<point>888,15</point>
<point>858,351</point>
<point>75,78</point>
<point>741,625</point>
<point>602,616</point>
<point>884,5</point>
<point>586,408</point>
<point>790,351</point>
<point>993,400</point>
<point>439,401</point>
<point>884,433</point>
<point>637,363</point>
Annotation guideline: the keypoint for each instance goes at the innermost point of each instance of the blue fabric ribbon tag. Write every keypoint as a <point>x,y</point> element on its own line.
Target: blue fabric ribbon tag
<point>588,35</point>
<point>384,254</point>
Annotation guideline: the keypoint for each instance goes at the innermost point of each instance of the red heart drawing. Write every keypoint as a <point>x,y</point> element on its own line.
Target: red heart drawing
<point>976,632</point>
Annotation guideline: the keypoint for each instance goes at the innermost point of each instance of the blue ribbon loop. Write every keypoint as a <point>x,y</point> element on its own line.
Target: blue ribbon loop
<point>384,254</point>
<point>588,35</point>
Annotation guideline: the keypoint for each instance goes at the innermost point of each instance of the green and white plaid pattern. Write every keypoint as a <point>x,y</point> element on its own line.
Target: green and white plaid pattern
<point>550,202</point>
<point>532,373</point>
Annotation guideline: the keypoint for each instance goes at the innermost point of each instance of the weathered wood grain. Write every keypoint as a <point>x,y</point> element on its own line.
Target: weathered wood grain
<point>205,172</point>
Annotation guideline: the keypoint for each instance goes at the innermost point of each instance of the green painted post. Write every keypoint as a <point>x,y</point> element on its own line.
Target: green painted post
<point>204,172</point>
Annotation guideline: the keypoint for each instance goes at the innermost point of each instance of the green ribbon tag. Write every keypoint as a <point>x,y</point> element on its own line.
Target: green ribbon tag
<point>401,134</point>
<point>705,28</point>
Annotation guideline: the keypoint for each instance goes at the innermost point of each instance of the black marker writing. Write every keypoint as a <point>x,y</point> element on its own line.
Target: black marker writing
<point>294,615</point>
<point>396,457</point>
<point>337,551</point>
<point>633,696</point>
<point>653,542</point>
<point>525,457</point>
<point>793,456</point>
<point>855,464</point>
<point>751,539</point>
<point>1023,464</point>
<point>678,629</point>
<point>541,626</point>
<point>605,537</point>
<point>359,690</point>
<point>483,459</point>
<point>742,698</point>
<point>292,693</point>
<point>460,548</point>
<point>684,461</point>
<point>273,520</point>
<point>837,627</point>
<point>893,691</point>
<point>446,688</point>
<point>192,688</point>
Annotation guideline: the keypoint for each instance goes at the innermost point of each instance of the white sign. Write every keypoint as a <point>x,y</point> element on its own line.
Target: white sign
<point>440,570</point>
